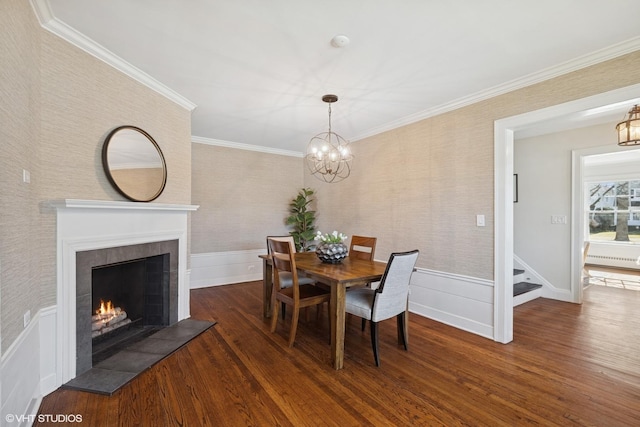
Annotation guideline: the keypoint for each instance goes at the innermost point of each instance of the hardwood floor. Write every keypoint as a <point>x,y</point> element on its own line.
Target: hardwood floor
<point>568,365</point>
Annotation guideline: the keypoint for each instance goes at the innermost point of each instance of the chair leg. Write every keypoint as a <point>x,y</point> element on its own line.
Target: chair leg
<point>274,316</point>
<point>294,325</point>
<point>319,312</point>
<point>364,323</point>
<point>374,341</point>
<point>401,329</point>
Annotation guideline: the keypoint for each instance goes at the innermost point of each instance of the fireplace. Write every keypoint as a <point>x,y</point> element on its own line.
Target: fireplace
<point>92,234</point>
<point>140,281</point>
<point>134,292</point>
<point>130,301</point>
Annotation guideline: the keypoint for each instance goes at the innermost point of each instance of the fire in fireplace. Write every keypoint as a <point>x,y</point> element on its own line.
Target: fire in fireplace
<point>131,302</point>
<point>108,318</point>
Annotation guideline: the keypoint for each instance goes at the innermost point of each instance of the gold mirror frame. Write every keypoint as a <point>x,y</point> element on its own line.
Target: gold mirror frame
<point>134,164</point>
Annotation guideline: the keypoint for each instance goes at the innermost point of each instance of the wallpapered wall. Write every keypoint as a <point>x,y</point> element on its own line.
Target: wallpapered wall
<point>58,104</point>
<point>421,186</point>
<point>243,197</point>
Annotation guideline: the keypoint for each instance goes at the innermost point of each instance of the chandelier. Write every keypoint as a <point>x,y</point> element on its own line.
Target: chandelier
<point>629,130</point>
<point>328,154</point>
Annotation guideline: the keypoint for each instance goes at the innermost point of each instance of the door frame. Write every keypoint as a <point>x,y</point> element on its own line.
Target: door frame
<point>504,130</point>
<point>578,205</point>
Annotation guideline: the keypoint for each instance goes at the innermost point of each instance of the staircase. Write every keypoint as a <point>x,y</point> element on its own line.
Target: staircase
<point>524,291</point>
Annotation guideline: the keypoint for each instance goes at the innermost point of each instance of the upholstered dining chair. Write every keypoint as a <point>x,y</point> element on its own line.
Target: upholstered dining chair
<point>388,300</point>
<point>297,295</point>
<point>285,278</point>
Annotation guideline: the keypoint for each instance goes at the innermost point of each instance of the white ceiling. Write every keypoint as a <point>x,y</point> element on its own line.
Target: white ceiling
<point>257,69</point>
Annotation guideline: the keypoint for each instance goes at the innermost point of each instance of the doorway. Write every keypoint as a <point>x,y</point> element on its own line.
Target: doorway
<point>504,131</point>
<point>611,188</point>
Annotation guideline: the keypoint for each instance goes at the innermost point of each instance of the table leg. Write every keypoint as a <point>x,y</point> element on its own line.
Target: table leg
<point>267,287</point>
<point>338,292</point>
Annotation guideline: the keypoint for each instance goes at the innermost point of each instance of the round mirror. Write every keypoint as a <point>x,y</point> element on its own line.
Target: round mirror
<point>134,164</point>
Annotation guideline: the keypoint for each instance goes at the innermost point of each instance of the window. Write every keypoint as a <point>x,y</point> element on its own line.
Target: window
<point>613,211</point>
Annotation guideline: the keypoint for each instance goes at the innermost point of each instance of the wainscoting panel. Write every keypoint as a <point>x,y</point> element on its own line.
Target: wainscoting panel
<point>460,301</point>
<point>223,268</point>
<point>48,342</point>
<point>28,369</point>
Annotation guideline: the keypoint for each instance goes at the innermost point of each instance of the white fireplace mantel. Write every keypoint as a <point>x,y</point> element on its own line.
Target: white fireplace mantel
<point>84,225</point>
<point>110,204</point>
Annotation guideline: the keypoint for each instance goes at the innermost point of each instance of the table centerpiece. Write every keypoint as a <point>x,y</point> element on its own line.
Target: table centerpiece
<point>331,248</point>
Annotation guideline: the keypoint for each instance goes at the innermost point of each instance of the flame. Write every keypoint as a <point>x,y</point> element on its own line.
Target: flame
<point>107,308</point>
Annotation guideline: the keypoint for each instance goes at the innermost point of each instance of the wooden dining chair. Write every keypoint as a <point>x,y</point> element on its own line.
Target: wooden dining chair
<point>285,278</point>
<point>388,300</point>
<point>362,247</point>
<point>297,295</point>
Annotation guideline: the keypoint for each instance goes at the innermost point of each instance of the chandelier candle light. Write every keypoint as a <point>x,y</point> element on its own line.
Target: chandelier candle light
<point>629,130</point>
<point>328,154</point>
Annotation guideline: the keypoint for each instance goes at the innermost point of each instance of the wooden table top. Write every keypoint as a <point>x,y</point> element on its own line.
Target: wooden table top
<point>349,271</point>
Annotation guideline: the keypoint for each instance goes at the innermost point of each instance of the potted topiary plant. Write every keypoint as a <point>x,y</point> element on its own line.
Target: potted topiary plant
<point>303,220</point>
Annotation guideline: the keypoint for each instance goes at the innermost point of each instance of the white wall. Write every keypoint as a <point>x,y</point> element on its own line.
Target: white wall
<point>543,165</point>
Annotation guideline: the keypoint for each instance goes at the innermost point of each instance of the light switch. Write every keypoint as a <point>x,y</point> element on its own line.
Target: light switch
<point>480,220</point>
<point>26,176</point>
<point>558,219</point>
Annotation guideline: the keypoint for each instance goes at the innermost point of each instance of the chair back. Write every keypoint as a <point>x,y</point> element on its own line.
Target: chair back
<point>391,296</point>
<point>283,261</point>
<point>281,239</point>
<point>362,247</point>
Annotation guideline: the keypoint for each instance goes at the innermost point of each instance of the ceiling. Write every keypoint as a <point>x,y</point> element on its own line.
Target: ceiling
<point>257,69</point>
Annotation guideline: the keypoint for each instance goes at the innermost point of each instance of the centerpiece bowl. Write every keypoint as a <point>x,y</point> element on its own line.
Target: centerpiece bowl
<point>331,249</point>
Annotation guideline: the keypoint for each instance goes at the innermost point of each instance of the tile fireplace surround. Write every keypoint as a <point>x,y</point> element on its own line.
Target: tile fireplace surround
<point>87,225</point>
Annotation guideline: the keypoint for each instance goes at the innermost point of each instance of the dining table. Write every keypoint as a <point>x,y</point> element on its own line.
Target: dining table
<point>350,272</point>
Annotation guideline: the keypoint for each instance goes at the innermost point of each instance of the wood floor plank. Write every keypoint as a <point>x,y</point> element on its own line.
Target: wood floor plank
<point>569,365</point>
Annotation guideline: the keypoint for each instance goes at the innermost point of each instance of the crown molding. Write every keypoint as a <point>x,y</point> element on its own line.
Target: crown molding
<point>248,147</point>
<point>49,22</point>
<point>581,62</point>
<point>52,24</point>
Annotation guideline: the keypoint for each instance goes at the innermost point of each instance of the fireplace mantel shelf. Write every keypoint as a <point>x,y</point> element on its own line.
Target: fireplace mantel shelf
<point>110,204</point>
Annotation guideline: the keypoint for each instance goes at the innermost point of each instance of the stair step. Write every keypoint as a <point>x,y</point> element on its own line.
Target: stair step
<point>524,287</point>
<point>517,271</point>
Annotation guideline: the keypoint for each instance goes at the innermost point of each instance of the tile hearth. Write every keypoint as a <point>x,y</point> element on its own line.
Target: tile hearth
<point>114,372</point>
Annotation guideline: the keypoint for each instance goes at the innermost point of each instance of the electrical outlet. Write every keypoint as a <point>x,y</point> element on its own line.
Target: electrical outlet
<point>251,267</point>
<point>479,220</point>
<point>26,318</point>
